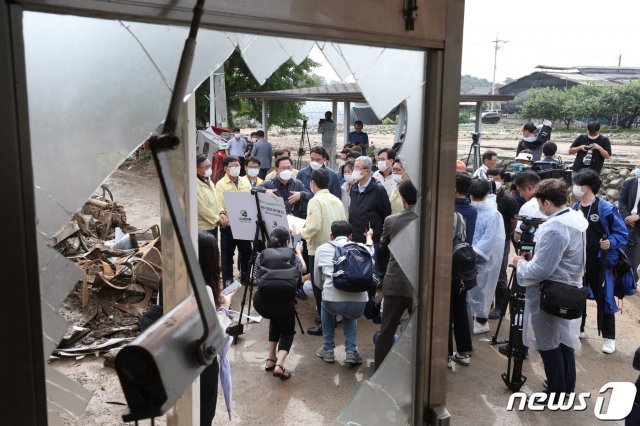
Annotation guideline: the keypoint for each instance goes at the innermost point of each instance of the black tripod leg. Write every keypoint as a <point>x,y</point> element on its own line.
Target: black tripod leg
<point>494,339</point>
<point>299,322</point>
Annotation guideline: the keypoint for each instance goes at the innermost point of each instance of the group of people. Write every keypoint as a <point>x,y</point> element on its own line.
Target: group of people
<point>366,201</point>
<point>578,244</point>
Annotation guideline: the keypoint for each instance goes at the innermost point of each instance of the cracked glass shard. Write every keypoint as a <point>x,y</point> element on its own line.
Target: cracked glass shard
<point>359,59</point>
<point>263,57</point>
<point>298,50</point>
<point>403,247</point>
<point>411,151</point>
<point>71,397</point>
<point>387,397</point>
<point>391,65</point>
<point>333,55</point>
<point>242,41</point>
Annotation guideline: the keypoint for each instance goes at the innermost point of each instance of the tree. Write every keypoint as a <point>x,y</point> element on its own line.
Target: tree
<point>238,78</point>
<point>548,103</point>
<point>623,100</point>
<point>469,82</point>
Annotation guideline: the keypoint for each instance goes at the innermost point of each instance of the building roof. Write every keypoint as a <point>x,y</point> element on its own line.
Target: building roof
<point>346,92</point>
<point>552,76</point>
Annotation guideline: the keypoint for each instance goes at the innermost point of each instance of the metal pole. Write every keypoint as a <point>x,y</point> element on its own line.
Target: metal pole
<point>476,147</point>
<point>265,126</point>
<point>347,121</point>
<point>334,143</point>
<point>212,100</point>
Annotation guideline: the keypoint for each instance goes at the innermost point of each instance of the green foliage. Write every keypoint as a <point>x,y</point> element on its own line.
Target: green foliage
<point>238,78</point>
<point>463,119</point>
<point>389,120</point>
<point>468,82</point>
<point>550,103</point>
<point>585,101</point>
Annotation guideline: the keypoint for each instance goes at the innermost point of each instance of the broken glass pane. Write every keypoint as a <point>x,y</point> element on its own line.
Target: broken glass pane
<point>298,50</point>
<point>335,59</point>
<point>263,57</point>
<point>387,397</point>
<point>411,151</point>
<point>403,248</point>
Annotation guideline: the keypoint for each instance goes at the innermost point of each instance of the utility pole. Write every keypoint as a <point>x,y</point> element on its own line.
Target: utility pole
<point>619,60</point>
<point>497,45</point>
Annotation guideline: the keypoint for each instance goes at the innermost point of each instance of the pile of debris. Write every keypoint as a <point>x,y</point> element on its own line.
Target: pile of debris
<point>122,271</point>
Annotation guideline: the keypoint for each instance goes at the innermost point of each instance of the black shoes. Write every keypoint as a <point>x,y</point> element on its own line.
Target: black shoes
<point>315,331</point>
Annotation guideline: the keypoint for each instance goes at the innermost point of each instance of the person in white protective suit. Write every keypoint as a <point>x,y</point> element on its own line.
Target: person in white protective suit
<point>488,243</point>
<point>559,256</point>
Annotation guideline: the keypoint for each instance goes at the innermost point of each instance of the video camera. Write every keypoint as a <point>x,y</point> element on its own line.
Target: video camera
<point>528,228</point>
<point>544,169</point>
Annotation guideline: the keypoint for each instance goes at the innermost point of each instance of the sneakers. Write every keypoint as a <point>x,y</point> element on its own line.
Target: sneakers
<point>461,359</point>
<point>582,335</point>
<point>352,358</point>
<point>480,328</point>
<point>450,364</point>
<point>301,294</point>
<point>608,346</point>
<point>315,331</point>
<point>495,314</point>
<point>327,355</point>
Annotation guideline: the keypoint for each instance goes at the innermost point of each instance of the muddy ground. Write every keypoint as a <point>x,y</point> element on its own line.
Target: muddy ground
<point>318,391</point>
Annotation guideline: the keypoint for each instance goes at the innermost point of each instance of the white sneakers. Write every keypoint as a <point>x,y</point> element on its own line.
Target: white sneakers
<point>582,335</point>
<point>480,328</point>
<point>461,359</point>
<point>608,346</point>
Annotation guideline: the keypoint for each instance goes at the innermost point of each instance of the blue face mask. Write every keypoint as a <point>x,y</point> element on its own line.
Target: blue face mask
<point>638,173</point>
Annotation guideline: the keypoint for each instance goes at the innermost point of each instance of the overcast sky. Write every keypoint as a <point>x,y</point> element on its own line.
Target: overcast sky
<point>542,32</point>
<point>548,32</point>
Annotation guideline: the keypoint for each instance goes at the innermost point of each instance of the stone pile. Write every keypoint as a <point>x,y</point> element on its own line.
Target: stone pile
<point>612,180</point>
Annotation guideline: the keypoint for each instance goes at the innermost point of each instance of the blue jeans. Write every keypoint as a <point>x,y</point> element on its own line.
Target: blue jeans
<point>350,311</point>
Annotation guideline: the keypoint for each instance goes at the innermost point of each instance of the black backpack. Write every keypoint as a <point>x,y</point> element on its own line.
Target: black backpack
<point>463,265</point>
<point>352,268</point>
<point>280,275</point>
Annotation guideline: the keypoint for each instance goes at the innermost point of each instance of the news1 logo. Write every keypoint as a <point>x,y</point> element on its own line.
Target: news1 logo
<point>621,401</point>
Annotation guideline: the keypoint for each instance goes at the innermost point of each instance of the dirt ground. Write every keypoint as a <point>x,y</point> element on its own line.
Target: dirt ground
<point>318,391</point>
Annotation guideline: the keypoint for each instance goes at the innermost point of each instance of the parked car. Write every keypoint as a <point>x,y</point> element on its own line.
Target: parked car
<point>491,117</point>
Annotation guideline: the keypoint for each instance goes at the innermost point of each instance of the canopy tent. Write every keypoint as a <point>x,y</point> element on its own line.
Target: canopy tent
<point>350,92</point>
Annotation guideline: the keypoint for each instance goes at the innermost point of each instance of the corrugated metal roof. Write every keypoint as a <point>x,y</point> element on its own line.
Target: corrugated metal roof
<point>344,92</point>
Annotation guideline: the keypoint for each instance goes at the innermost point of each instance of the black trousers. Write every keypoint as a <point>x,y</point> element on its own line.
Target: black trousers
<point>560,369</point>
<point>263,173</point>
<point>394,307</point>
<point>502,287</point>
<point>228,247</point>
<point>317,291</point>
<point>282,320</point>
<point>594,276</point>
<point>209,393</point>
<point>459,321</point>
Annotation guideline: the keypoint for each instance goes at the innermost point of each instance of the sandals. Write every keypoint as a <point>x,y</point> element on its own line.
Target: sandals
<point>272,367</point>
<point>282,376</point>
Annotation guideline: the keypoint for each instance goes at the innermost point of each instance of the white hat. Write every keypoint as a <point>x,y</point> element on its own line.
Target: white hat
<point>524,156</point>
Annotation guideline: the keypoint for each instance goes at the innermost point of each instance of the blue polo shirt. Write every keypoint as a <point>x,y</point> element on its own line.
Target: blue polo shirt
<point>355,137</point>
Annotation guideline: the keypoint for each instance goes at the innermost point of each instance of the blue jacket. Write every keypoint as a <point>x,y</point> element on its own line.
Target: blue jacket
<point>616,231</point>
<point>304,176</point>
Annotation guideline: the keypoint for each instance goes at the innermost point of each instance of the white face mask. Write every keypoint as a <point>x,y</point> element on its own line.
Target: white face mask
<point>637,172</point>
<point>498,185</point>
<point>341,163</point>
<point>382,165</point>
<point>349,178</point>
<point>285,175</point>
<point>237,135</point>
<point>356,175</point>
<point>315,166</point>
<point>396,177</point>
<point>208,172</point>
<point>234,171</point>
<point>593,138</point>
<point>253,172</point>
<point>577,191</point>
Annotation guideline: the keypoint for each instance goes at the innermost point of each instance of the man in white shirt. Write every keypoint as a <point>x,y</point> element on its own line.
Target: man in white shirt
<point>489,161</point>
<point>338,302</point>
<point>383,174</point>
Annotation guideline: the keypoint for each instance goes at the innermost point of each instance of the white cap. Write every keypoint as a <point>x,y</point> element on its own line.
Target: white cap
<point>524,156</point>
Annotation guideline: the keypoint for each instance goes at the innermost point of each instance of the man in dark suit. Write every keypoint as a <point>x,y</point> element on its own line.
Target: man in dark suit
<point>396,287</point>
<point>629,206</point>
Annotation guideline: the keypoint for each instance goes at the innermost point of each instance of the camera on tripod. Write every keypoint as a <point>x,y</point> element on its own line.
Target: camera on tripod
<point>528,228</point>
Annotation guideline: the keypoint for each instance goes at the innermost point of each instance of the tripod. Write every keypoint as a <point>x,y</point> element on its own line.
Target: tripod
<point>304,133</point>
<point>515,299</point>
<point>261,236</point>
<point>475,149</point>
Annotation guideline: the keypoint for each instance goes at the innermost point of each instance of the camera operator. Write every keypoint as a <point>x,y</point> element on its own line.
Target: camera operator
<point>591,149</point>
<point>559,256</point>
<point>526,183</point>
<point>327,128</point>
<point>530,141</point>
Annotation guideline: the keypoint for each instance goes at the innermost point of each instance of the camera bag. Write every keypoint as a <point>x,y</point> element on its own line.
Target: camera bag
<point>562,300</point>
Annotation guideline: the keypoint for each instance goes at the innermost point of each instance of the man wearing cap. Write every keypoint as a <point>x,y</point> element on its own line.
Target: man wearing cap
<point>525,158</point>
<point>530,142</point>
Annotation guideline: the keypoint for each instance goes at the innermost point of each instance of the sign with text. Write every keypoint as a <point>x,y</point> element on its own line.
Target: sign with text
<point>242,213</point>
<point>273,212</point>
